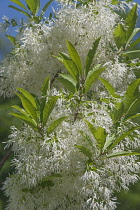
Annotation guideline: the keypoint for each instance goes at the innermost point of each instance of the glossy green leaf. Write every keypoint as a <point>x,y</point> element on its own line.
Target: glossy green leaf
<point>120,36</point>
<point>119,154</point>
<point>20,109</point>
<point>55,124</point>
<point>19,3</point>
<point>108,86</point>
<point>129,95</point>
<point>130,21</point>
<point>27,95</point>
<point>70,66</point>
<point>117,112</point>
<point>84,150</point>
<point>12,39</point>
<point>27,120</point>
<point>33,5</point>
<point>29,108</point>
<point>46,85</point>
<point>16,8</point>
<point>49,108</point>
<point>131,52</point>
<point>69,78</point>
<point>137,41</point>
<point>108,142</point>
<point>100,136</point>
<point>92,76</point>
<point>120,138</point>
<point>46,6</point>
<point>67,84</point>
<point>135,31</point>
<point>91,55</point>
<point>74,56</point>
<point>90,127</point>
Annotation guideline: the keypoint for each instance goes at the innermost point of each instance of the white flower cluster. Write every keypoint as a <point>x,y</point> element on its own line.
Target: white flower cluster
<point>33,60</point>
<point>74,186</point>
<point>66,170</point>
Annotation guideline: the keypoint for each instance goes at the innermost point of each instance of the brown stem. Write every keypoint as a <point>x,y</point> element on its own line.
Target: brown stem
<point>54,78</point>
<point>6,157</point>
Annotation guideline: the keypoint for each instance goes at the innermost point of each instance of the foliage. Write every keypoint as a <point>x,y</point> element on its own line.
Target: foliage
<point>79,140</point>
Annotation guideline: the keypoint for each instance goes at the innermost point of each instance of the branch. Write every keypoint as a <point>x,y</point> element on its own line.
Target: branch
<point>6,157</point>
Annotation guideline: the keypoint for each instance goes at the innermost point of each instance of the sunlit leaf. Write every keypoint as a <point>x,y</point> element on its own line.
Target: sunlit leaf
<point>49,106</point>
<point>120,36</point>
<point>92,76</point>
<point>19,3</point>
<point>74,56</point>
<point>46,85</point>
<point>28,96</point>
<point>46,6</point>
<point>108,142</point>
<point>12,39</point>
<point>29,108</point>
<point>91,55</point>
<point>16,8</point>
<point>67,84</point>
<point>108,86</point>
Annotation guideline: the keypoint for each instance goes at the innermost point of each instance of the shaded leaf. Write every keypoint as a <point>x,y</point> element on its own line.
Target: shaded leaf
<point>55,124</point>
<point>46,6</point>
<point>119,154</point>
<point>68,84</point>
<point>108,86</point>
<point>84,150</point>
<point>120,138</point>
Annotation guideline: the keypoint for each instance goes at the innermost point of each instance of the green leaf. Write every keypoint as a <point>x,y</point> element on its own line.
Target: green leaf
<point>25,13</point>
<point>27,95</point>
<point>129,95</point>
<point>100,136</point>
<point>46,85</point>
<point>135,31</point>
<point>137,41</point>
<point>55,124</point>
<point>120,36</point>
<point>33,5</point>
<point>42,106</point>
<point>29,108</point>
<point>54,176</point>
<point>90,127</point>
<point>19,4</point>
<point>49,108</point>
<point>131,52</point>
<point>20,109</point>
<point>108,86</point>
<point>108,142</point>
<point>92,76</point>
<point>67,84</point>
<point>120,138</point>
<point>91,55</point>
<point>131,21</point>
<point>118,112</point>
<point>84,150</point>
<point>70,66</point>
<point>132,117</point>
<point>74,56</point>
<point>46,6</point>
<point>26,119</point>
<point>12,39</point>
<point>69,78</point>
<point>119,154</point>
